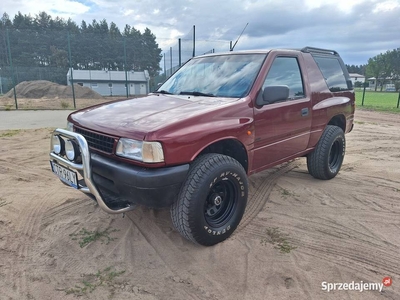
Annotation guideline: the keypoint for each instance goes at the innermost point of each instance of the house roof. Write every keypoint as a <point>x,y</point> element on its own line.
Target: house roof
<point>380,78</point>
<point>103,75</point>
<point>356,75</point>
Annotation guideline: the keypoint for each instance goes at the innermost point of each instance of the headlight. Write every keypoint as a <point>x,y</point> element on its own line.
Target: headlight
<point>57,144</point>
<point>70,126</point>
<point>149,152</point>
<point>72,150</point>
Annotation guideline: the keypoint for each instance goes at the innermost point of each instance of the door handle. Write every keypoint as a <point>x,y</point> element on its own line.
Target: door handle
<point>304,112</point>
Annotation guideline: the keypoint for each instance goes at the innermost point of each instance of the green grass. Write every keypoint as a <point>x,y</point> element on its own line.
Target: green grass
<point>278,239</point>
<point>381,101</point>
<point>64,104</point>
<point>105,277</point>
<point>10,133</point>
<point>86,237</point>
<point>286,193</point>
<point>3,202</point>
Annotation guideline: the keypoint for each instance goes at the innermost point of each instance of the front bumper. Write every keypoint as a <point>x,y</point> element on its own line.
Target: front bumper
<point>117,186</point>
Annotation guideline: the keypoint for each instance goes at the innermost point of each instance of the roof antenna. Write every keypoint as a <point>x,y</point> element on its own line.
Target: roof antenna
<point>232,47</point>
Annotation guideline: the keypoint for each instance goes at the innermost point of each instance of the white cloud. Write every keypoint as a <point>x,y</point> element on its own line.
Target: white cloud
<point>62,8</point>
<point>386,6</point>
<point>343,5</point>
<point>128,12</point>
<point>355,27</point>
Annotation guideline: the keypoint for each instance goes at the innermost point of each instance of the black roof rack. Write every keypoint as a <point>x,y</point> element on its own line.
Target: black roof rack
<point>319,50</point>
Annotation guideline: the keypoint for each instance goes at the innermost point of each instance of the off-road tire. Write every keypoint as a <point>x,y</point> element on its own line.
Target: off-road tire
<point>327,158</point>
<point>212,179</point>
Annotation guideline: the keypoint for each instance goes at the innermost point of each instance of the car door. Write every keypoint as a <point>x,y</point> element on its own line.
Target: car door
<point>282,129</point>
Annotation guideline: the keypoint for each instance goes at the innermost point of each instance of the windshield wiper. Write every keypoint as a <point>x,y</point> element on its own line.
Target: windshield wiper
<point>164,92</point>
<point>194,93</point>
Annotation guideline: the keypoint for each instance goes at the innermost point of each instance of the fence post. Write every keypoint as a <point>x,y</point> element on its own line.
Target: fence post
<point>70,67</point>
<point>194,41</point>
<point>362,102</point>
<point>1,84</point>
<point>12,70</point>
<point>398,101</point>
<point>170,54</point>
<point>165,69</point>
<point>180,50</point>
<point>126,74</point>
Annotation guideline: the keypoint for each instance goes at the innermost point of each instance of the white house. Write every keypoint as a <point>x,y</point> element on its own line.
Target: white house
<point>112,83</point>
<point>376,83</point>
<point>354,77</point>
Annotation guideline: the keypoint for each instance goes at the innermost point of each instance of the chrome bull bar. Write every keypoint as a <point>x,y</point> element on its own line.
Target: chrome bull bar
<point>85,167</point>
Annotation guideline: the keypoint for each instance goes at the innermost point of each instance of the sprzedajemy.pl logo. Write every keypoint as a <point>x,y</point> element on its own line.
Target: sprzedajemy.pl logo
<point>356,286</point>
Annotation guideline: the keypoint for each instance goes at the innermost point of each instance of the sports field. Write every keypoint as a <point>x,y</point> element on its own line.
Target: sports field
<point>378,100</point>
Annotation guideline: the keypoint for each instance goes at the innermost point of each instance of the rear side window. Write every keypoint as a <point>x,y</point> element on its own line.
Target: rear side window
<point>333,73</point>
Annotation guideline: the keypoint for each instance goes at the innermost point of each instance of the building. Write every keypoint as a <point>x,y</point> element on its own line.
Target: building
<point>388,84</point>
<point>112,83</point>
<point>354,77</point>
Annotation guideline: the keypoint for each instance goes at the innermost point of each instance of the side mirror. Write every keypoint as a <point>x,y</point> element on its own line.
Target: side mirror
<point>272,94</point>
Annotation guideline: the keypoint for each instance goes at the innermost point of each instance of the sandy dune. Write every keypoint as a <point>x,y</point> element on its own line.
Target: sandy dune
<point>297,232</point>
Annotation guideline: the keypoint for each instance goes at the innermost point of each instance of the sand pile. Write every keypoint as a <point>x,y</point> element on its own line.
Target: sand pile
<point>47,89</point>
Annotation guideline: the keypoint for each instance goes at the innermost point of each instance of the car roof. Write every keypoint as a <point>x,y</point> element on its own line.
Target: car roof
<point>307,49</point>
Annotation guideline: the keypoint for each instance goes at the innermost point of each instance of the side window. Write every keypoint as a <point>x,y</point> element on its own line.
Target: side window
<point>286,71</point>
<point>333,73</point>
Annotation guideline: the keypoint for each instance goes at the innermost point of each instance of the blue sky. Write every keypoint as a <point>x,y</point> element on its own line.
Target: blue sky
<point>357,29</point>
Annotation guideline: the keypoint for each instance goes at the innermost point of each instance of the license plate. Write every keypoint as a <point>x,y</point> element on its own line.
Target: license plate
<point>66,175</point>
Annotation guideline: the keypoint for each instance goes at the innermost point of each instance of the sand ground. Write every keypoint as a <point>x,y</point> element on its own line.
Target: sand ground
<point>297,231</point>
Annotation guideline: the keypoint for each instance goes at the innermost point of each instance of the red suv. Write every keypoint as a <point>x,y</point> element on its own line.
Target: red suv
<point>218,119</point>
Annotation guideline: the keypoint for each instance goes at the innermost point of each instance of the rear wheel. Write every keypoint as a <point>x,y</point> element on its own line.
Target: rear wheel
<point>212,201</point>
<point>327,158</point>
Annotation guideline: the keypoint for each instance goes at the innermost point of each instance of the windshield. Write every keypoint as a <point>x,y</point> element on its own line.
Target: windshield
<point>215,76</point>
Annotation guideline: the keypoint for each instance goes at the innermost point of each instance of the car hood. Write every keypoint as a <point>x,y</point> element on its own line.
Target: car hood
<point>135,118</point>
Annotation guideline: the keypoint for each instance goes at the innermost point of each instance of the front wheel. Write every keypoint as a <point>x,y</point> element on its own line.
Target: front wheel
<point>212,201</point>
<point>327,158</point>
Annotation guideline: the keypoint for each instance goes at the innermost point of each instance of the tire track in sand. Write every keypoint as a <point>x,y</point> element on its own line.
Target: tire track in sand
<point>27,232</point>
<point>261,186</point>
<point>178,262</point>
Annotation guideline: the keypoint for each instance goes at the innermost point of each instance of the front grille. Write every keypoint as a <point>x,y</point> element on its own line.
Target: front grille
<point>97,141</point>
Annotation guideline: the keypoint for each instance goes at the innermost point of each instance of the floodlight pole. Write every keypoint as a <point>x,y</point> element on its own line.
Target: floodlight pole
<point>70,68</point>
<point>12,70</point>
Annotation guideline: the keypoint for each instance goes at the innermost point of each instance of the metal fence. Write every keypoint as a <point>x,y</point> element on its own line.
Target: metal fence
<point>179,53</point>
<point>37,67</point>
<point>184,49</point>
<point>387,100</point>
